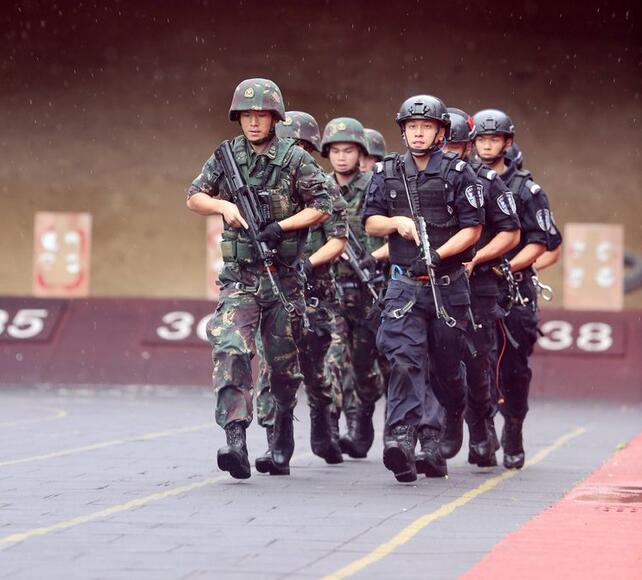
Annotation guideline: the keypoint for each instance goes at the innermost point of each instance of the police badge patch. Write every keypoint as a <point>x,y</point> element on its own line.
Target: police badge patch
<point>506,203</point>
<point>544,219</point>
<point>475,195</point>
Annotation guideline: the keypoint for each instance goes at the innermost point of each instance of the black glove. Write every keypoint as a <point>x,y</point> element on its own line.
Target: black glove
<point>368,263</point>
<point>271,234</point>
<point>435,257</point>
<point>419,267</point>
<point>307,268</point>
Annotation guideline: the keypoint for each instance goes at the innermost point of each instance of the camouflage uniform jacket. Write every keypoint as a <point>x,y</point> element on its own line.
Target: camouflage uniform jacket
<point>290,176</point>
<point>354,194</point>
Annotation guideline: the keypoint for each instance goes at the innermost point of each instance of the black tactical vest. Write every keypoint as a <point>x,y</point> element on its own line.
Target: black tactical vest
<point>436,199</point>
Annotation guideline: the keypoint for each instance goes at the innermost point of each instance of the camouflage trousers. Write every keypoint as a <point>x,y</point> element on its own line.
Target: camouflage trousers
<point>315,342</point>
<point>353,358</point>
<point>247,306</point>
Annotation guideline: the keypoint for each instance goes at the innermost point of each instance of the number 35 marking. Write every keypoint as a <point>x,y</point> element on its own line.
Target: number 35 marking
<point>27,323</point>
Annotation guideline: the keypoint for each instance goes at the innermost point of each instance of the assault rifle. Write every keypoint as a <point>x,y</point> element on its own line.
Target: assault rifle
<point>353,252</point>
<point>255,209</point>
<point>424,242</point>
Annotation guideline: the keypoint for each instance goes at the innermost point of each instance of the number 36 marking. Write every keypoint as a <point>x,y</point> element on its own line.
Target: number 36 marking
<point>591,336</point>
<point>179,326</point>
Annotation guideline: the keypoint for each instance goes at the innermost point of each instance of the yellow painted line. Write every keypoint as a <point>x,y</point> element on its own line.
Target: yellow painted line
<point>57,414</point>
<point>116,509</point>
<point>420,523</point>
<point>34,532</point>
<point>104,444</point>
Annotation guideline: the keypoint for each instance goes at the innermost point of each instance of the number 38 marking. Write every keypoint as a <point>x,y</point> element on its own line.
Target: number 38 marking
<point>591,337</point>
<point>180,324</point>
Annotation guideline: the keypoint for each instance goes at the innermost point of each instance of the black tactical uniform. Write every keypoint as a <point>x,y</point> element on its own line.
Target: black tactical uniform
<point>411,336</point>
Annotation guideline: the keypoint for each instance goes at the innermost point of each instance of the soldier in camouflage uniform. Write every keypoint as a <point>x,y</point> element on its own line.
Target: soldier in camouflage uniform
<point>376,150</point>
<point>325,243</point>
<point>297,199</point>
<point>344,143</point>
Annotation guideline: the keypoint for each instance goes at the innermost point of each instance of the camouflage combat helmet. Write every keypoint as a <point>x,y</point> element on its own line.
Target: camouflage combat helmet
<point>514,153</point>
<point>492,122</point>
<point>257,95</point>
<point>376,143</point>
<point>300,126</point>
<point>343,130</point>
<point>462,126</point>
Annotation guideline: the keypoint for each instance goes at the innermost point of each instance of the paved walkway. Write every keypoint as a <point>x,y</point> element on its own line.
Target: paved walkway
<point>122,484</point>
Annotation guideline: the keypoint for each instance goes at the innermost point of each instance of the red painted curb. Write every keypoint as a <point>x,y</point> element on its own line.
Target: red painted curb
<point>595,531</point>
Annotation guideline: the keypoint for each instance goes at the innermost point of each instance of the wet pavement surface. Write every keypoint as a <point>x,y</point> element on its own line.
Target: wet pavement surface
<point>122,483</point>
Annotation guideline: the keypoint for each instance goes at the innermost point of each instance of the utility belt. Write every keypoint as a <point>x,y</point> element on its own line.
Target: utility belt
<point>524,275</point>
<point>483,269</point>
<point>242,251</point>
<point>404,274</point>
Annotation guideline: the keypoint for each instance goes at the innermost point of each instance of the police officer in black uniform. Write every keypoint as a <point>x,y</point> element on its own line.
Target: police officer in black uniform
<point>501,233</point>
<point>495,132</point>
<point>415,333</point>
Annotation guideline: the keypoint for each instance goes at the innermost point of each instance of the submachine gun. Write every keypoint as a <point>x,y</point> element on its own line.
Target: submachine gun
<point>256,211</point>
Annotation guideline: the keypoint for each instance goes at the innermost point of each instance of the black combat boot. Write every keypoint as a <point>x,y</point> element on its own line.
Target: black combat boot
<point>480,450</point>
<point>360,436</point>
<point>453,435</point>
<point>399,453</point>
<point>492,434</point>
<point>346,440</point>
<point>429,460</point>
<point>512,443</point>
<point>321,439</point>
<point>334,423</point>
<point>283,443</point>
<point>264,463</point>
<point>233,456</point>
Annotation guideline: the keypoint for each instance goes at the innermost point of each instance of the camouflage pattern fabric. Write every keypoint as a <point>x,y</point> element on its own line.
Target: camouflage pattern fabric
<point>295,181</point>
<point>352,357</point>
<point>247,303</point>
<point>257,95</point>
<point>376,143</point>
<point>321,305</point>
<point>343,130</point>
<point>300,125</point>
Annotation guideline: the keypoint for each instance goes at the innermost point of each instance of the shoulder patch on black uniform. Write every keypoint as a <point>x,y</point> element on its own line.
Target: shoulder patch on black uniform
<point>378,166</point>
<point>460,166</point>
<point>544,220</point>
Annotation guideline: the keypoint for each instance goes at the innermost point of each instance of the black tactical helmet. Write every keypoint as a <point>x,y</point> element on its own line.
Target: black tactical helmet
<point>462,127</point>
<point>514,153</point>
<point>424,107</point>
<point>492,122</point>
<point>300,126</point>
